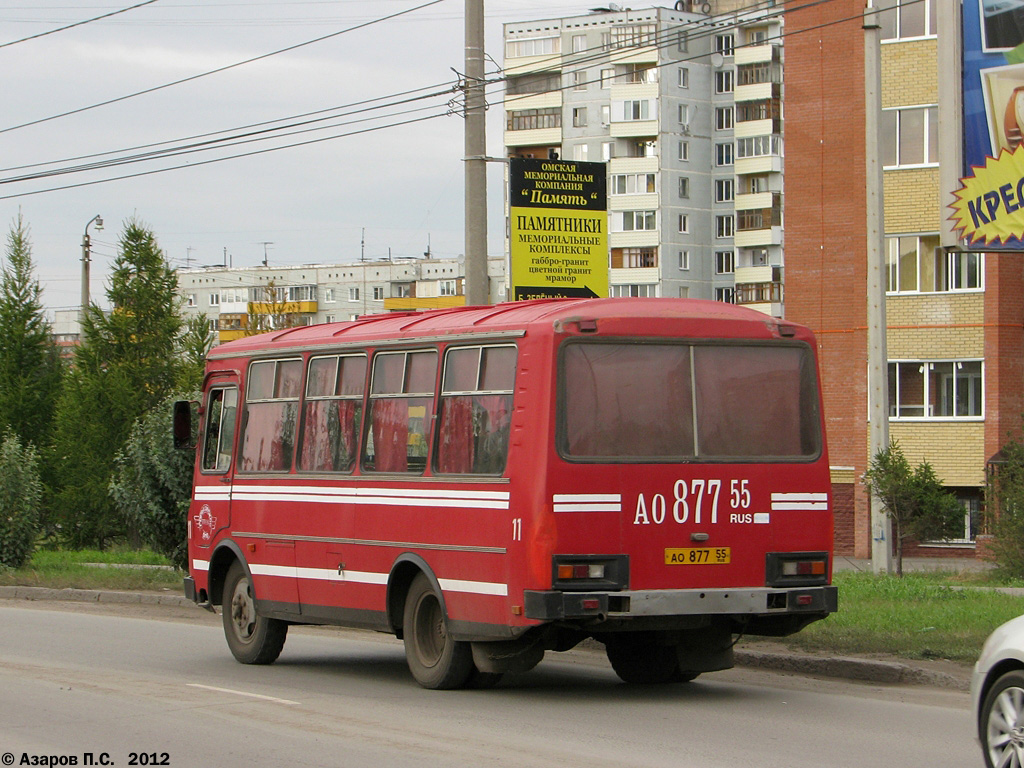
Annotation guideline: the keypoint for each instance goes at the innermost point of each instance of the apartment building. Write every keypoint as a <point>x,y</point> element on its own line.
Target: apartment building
<point>237,298</point>
<point>685,107</point>
<point>954,317</point>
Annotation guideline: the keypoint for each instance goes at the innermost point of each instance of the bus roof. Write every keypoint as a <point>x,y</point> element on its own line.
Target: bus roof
<point>684,316</point>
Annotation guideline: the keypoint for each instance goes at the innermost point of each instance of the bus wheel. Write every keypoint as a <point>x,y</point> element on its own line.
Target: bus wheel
<point>253,639</point>
<point>645,663</point>
<point>435,659</point>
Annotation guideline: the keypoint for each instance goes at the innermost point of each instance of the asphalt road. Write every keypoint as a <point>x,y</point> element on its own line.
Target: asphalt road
<point>83,683</point>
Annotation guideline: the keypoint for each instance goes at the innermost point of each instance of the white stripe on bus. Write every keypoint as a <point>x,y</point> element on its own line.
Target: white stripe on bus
<point>369,577</point>
<point>588,507</point>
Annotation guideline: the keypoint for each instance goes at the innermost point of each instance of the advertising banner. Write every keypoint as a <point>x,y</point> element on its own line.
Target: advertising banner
<point>989,211</point>
<point>558,229</point>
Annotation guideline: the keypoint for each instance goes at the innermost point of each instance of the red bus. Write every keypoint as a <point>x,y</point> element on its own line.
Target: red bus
<point>490,483</point>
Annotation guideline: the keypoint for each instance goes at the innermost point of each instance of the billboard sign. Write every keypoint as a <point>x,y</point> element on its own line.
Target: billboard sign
<point>558,229</point>
<point>989,211</point>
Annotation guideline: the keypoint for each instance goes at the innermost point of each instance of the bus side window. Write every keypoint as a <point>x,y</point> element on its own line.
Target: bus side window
<point>400,405</point>
<point>271,420</point>
<point>332,413</point>
<point>221,407</point>
<point>476,410</point>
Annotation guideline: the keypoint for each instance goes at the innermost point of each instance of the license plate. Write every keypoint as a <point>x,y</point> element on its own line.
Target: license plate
<point>698,556</point>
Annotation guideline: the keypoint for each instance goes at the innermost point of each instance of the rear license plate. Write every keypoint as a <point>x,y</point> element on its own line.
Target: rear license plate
<point>698,556</point>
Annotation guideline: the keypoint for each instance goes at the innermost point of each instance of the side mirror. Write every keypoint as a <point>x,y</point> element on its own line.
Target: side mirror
<point>182,423</point>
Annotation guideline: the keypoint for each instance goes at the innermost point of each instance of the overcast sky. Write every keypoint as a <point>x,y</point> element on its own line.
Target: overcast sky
<point>311,203</point>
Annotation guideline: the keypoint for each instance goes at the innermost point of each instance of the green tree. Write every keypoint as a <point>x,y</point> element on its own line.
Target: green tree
<point>21,494</point>
<point>193,345</point>
<point>152,483</point>
<point>1005,509</point>
<point>30,366</point>
<point>918,505</point>
<point>128,363</point>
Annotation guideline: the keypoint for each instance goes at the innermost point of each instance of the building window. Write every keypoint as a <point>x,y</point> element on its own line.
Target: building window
<point>633,183</point>
<point>684,115</point>
<point>724,81</point>
<point>962,271</point>
<point>579,43</point>
<point>639,221</point>
<point>638,109</point>
<point>606,114</point>
<point>723,154</point>
<point>607,150</point>
<point>910,137</point>
<point>684,151</point>
<point>757,36</point>
<point>916,264</point>
<point>724,190</point>
<point>759,146</point>
<point>684,260</point>
<point>191,298</point>
<point>579,117</point>
<point>936,389</point>
<point>446,287</point>
<point>723,118</point>
<point>328,318</point>
<point>634,258</point>
<point>579,81</point>
<point>214,299</point>
<point>683,41</point>
<point>579,153</point>
<point>633,35</point>
<point>328,295</point>
<point>643,290</point>
<point>642,148</point>
<point>684,77</point>
<point>532,119</point>
<point>758,184</point>
<point>725,294</point>
<point>724,226</point>
<point>378,293</point>
<point>353,294</point>
<point>908,18</point>
<point>765,109</point>
<point>684,186</point>
<point>725,262</point>
<point>755,74</point>
<point>533,46</point>
<point>724,44</point>
<point>684,223</point>
<point>534,82</point>
<point>607,77</point>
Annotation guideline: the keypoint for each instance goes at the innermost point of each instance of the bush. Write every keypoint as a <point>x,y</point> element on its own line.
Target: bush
<point>152,484</point>
<point>21,494</point>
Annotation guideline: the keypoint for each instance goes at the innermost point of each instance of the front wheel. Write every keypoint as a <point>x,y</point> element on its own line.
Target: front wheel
<point>435,659</point>
<point>1001,722</point>
<point>253,639</point>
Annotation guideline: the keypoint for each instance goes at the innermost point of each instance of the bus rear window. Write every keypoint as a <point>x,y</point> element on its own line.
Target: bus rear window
<point>653,402</point>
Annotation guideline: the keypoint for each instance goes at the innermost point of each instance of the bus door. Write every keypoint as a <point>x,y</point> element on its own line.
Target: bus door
<point>211,510</point>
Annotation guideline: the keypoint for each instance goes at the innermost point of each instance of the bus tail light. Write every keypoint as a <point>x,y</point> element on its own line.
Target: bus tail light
<point>796,569</point>
<point>590,572</point>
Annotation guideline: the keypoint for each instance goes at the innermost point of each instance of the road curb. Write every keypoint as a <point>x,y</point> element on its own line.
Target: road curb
<point>843,667</point>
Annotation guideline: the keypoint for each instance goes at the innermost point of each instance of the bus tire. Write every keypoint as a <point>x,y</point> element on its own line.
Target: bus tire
<point>435,659</point>
<point>645,663</point>
<point>253,639</point>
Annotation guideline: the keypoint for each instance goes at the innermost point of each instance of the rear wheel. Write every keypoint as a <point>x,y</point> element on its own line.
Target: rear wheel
<point>435,659</point>
<point>253,639</point>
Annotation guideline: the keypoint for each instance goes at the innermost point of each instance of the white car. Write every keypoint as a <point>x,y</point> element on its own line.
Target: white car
<point>997,696</point>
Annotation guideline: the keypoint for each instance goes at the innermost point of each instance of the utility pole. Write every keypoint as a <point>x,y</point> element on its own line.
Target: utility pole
<point>265,243</point>
<point>878,367</point>
<point>477,292</point>
<point>86,259</point>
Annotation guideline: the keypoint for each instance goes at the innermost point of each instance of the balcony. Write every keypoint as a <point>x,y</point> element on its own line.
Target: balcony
<point>756,54</point>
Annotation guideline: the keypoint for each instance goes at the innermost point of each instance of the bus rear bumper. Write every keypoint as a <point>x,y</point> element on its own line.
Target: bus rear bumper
<point>762,601</point>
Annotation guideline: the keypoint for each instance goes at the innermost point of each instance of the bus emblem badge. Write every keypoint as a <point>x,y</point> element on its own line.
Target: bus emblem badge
<point>205,522</point>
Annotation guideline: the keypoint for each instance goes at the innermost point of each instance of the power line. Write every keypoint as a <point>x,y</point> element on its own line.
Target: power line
<point>219,69</point>
<point>77,24</point>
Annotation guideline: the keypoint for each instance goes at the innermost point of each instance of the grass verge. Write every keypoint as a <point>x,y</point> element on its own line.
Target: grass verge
<point>918,616</point>
<point>118,569</point>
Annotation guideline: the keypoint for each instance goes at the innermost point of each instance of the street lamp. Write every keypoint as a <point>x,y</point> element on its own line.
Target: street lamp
<point>86,258</point>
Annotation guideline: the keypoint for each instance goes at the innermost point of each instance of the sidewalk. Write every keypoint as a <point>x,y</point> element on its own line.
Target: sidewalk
<point>841,563</point>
